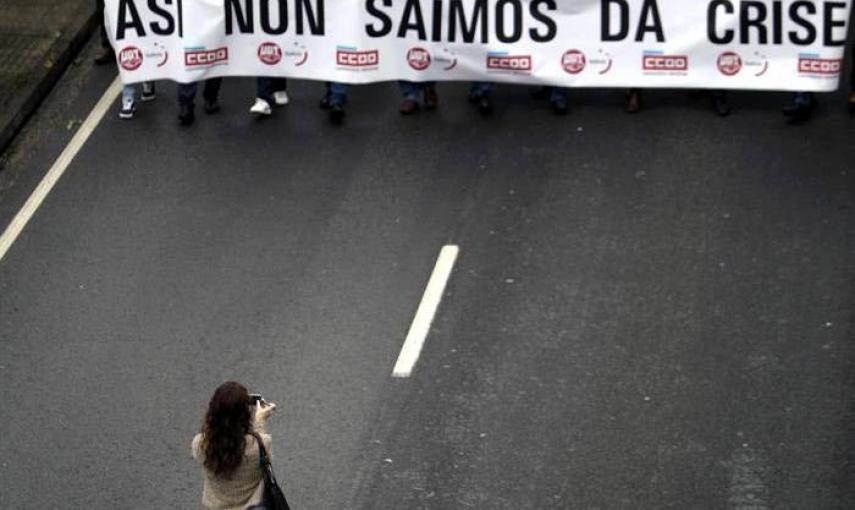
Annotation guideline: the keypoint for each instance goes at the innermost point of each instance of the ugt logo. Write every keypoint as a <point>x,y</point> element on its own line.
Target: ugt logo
<point>130,58</point>
<point>418,58</point>
<point>573,61</point>
<point>729,63</point>
<point>269,53</point>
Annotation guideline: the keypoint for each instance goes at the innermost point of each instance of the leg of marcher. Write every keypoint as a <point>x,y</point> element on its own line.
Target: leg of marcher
<point>128,102</point>
<point>633,101</point>
<point>263,96</point>
<point>431,98</point>
<point>558,99</point>
<point>186,103</point>
<point>337,94</point>
<point>211,95</point>
<point>105,52</point>
<point>852,85</point>
<point>800,107</point>
<point>264,88</point>
<point>721,106</point>
<point>148,93</point>
<point>480,94</point>
<point>280,91</point>
<point>411,92</point>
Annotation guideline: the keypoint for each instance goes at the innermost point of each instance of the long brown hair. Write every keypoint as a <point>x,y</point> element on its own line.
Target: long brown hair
<point>224,432</point>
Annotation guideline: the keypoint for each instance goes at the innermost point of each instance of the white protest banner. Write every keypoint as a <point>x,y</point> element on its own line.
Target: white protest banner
<point>723,44</point>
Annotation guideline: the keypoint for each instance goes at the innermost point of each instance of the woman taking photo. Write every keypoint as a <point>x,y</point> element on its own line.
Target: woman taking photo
<point>227,449</point>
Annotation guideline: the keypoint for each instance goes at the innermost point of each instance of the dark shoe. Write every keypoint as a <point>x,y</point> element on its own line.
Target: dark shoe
<point>409,107</point>
<point>212,107</point>
<point>325,102</point>
<point>485,106</point>
<point>336,114</point>
<point>431,98</point>
<point>104,56</point>
<point>633,102</point>
<point>474,97</point>
<point>148,93</point>
<point>852,103</point>
<point>798,112</point>
<point>186,115</point>
<point>560,106</point>
<point>541,93</point>
<point>721,106</point>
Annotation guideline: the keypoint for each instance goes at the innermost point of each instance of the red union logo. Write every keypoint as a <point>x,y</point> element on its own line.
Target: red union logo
<point>729,63</point>
<point>814,65</point>
<point>269,53</point>
<point>130,58</point>
<point>353,58</point>
<point>665,62</point>
<point>509,62</point>
<point>204,57</point>
<point>573,61</point>
<point>418,58</point>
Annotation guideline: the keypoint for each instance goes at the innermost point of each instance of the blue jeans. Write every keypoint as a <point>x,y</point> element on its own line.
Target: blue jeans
<point>481,88</point>
<point>129,92</point>
<point>413,90</point>
<point>337,93</point>
<point>558,94</point>
<point>187,91</point>
<point>265,87</point>
<point>802,98</point>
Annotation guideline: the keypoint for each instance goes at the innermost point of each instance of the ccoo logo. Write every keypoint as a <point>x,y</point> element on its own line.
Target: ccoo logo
<point>346,57</point>
<point>658,62</point>
<point>502,62</point>
<point>821,66</point>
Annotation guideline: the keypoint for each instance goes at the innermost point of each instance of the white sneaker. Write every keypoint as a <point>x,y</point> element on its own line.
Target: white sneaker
<point>261,107</point>
<point>128,109</point>
<point>281,98</point>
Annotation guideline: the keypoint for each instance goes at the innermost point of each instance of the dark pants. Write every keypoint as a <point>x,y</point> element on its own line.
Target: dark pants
<point>803,98</point>
<point>336,93</point>
<point>852,76</point>
<point>187,91</point>
<point>265,87</point>
<point>414,90</point>
<point>558,94</point>
<point>99,13</point>
<point>481,88</point>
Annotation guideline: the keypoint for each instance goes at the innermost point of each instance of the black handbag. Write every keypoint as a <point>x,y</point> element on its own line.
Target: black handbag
<point>274,498</point>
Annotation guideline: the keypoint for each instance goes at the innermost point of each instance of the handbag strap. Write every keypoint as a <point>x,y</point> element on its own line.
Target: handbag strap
<point>262,452</point>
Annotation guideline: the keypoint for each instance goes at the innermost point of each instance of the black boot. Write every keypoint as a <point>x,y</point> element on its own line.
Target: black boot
<point>186,116</point>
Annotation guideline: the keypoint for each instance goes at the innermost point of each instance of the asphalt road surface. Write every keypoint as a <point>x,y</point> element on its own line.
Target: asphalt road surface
<point>650,311</point>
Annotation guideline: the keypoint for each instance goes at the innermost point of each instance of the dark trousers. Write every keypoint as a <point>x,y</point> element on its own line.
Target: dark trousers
<point>852,76</point>
<point>265,87</point>
<point>187,91</point>
<point>99,13</point>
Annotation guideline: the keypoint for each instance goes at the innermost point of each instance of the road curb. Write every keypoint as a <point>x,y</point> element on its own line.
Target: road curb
<point>54,63</point>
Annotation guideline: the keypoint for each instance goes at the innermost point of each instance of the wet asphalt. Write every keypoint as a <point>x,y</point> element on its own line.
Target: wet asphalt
<point>649,311</point>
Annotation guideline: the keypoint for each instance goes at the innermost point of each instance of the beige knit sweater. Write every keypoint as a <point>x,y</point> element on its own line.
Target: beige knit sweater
<point>245,487</point>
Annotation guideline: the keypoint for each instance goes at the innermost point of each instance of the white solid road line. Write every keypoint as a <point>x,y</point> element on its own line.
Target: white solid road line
<point>427,310</point>
<point>59,166</point>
